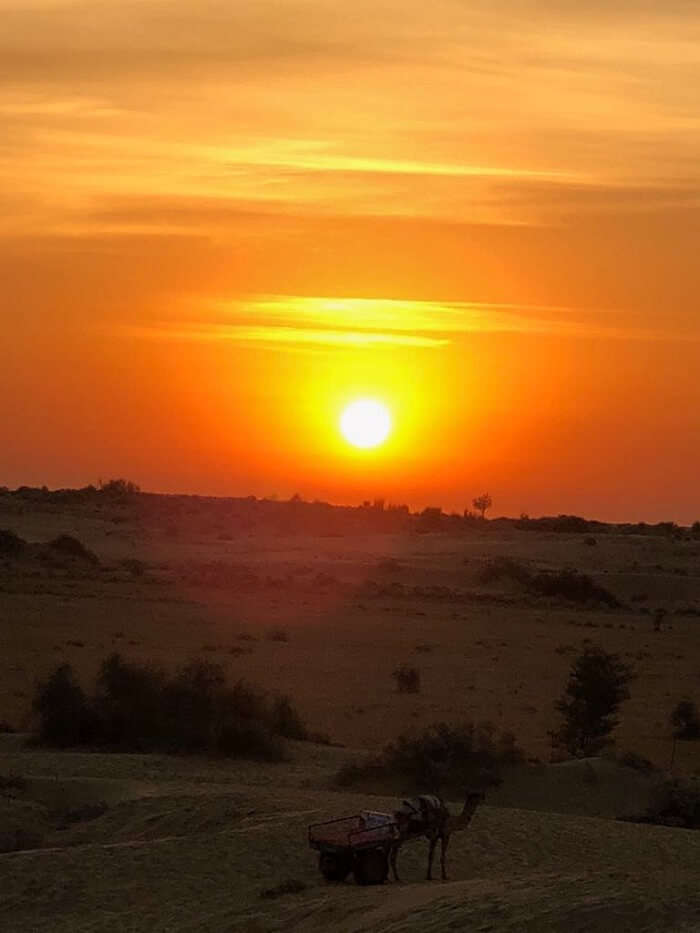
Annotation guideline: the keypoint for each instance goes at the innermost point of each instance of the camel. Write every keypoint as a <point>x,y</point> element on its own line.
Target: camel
<point>428,816</point>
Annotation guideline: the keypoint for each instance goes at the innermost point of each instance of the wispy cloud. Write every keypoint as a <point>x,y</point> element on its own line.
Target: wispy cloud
<point>296,321</point>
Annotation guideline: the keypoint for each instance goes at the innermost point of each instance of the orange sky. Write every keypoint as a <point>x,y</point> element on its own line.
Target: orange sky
<point>220,221</point>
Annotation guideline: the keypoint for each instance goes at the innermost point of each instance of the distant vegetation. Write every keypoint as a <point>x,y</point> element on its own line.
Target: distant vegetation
<point>567,584</point>
<point>139,708</point>
<point>407,679</point>
<point>674,802</point>
<point>442,758</point>
<point>296,516</point>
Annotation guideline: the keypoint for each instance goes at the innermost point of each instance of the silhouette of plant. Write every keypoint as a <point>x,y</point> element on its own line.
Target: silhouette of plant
<point>482,504</point>
<point>407,679</point>
<point>597,687</point>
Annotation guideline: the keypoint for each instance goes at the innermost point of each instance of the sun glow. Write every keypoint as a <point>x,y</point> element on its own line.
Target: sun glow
<point>365,423</point>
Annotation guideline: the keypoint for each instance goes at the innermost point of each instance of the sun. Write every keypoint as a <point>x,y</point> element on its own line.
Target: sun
<point>365,423</point>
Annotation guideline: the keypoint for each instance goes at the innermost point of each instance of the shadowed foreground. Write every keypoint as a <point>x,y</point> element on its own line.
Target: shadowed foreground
<point>136,843</point>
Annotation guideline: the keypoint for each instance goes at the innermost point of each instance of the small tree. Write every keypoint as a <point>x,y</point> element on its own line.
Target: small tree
<point>685,723</point>
<point>407,679</point>
<point>596,688</point>
<point>65,715</point>
<point>482,503</point>
<point>659,616</point>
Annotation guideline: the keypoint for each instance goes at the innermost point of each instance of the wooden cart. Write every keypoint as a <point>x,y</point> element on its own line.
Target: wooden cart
<point>359,844</point>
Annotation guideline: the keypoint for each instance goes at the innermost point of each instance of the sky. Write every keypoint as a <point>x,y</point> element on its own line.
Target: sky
<point>221,222</point>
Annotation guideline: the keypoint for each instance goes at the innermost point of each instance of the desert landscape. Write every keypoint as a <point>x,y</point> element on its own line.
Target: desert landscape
<point>324,605</point>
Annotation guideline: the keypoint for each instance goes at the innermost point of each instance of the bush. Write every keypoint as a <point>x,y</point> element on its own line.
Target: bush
<point>574,586</point>
<point>69,546</point>
<point>407,679</point>
<point>11,545</point>
<point>674,802</point>
<point>119,488</point>
<point>596,688</point>
<point>6,728</point>
<point>441,758</point>
<point>66,716</point>
<point>637,762</point>
<point>569,584</point>
<point>500,568</point>
<point>136,707</point>
<point>286,721</point>
<point>685,721</point>
<point>128,704</point>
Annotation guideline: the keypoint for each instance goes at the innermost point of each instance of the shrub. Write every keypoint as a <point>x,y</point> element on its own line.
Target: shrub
<point>442,757</point>
<point>135,566</point>
<point>6,728</point>
<point>65,714</point>
<point>69,546</point>
<point>119,488</point>
<point>128,704</point>
<point>574,586</point>
<point>407,679</point>
<point>567,583</point>
<point>278,634</point>
<point>685,721</point>
<point>12,784</point>
<point>504,568</point>
<point>286,721</point>
<point>674,802</point>
<point>11,545</point>
<point>637,762</point>
<point>596,688</point>
<point>136,707</point>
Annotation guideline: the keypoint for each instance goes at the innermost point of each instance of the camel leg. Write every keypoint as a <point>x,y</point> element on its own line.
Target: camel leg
<point>445,841</point>
<point>393,855</point>
<point>431,853</point>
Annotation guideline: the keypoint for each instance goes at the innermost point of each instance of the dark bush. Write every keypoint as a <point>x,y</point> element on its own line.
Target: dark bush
<point>12,784</point>
<point>135,566</point>
<point>136,707</point>
<point>576,587</point>
<point>568,584</point>
<point>441,758</point>
<point>6,728</point>
<point>11,545</point>
<point>637,762</point>
<point>129,704</point>
<point>596,688</point>
<point>500,568</point>
<point>286,721</point>
<point>119,488</point>
<point>686,721</point>
<point>69,546</point>
<point>66,716</point>
<point>407,679</point>
<point>675,802</point>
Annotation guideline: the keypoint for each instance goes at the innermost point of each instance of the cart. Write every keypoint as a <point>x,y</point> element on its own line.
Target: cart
<point>359,844</point>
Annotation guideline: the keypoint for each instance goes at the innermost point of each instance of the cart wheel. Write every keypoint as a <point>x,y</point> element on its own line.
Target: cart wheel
<point>371,867</point>
<point>334,866</point>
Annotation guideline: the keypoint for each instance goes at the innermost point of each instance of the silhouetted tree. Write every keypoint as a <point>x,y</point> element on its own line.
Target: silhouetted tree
<point>685,723</point>
<point>482,503</point>
<point>596,688</point>
<point>659,616</point>
<point>65,714</point>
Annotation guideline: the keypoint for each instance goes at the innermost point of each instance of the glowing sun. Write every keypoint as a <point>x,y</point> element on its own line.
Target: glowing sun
<point>366,423</point>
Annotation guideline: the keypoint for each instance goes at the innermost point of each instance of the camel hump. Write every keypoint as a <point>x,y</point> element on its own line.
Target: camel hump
<point>431,802</point>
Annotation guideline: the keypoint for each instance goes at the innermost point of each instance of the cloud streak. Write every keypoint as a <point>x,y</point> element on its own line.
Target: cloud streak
<point>312,322</point>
